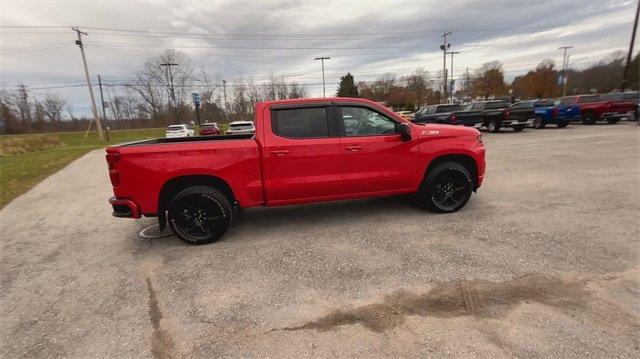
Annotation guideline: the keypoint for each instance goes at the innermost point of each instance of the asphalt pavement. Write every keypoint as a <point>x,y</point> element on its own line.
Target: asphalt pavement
<point>542,262</point>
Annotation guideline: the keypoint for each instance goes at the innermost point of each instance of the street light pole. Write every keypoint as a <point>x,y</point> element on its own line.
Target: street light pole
<point>451,87</point>
<point>324,92</point>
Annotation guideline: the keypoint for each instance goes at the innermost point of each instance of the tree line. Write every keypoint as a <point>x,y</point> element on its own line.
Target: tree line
<point>154,97</point>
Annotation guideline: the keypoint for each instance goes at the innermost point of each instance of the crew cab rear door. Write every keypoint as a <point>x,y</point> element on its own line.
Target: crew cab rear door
<point>374,157</point>
<point>302,153</point>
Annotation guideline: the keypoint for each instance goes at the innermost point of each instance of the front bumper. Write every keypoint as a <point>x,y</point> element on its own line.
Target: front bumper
<point>124,208</point>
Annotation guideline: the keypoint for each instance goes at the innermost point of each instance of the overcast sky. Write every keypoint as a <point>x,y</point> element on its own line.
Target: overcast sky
<point>238,39</point>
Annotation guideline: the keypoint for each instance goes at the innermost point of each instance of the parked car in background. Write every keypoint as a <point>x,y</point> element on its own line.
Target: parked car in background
<point>407,115</point>
<point>633,96</point>
<point>209,129</point>
<point>303,152</point>
<point>493,115</point>
<point>174,131</point>
<point>441,113</point>
<point>593,108</point>
<point>241,128</point>
<point>554,112</point>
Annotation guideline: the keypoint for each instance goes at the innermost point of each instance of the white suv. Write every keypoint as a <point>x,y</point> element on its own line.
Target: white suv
<point>241,128</point>
<point>174,131</point>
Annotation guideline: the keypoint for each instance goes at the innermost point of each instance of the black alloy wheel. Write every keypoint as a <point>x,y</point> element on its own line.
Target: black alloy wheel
<point>447,188</point>
<point>200,215</point>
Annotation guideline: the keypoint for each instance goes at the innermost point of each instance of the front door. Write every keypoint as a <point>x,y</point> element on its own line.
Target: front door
<point>302,154</point>
<point>375,159</point>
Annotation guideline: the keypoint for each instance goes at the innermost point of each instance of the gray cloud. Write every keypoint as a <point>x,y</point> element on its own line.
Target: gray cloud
<point>254,39</point>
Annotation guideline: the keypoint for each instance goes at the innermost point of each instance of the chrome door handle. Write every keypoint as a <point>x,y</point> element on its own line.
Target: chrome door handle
<point>353,148</point>
<point>279,152</point>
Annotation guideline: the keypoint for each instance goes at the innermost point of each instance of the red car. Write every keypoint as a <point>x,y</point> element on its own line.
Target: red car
<point>593,108</point>
<point>209,129</point>
<point>303,150</point>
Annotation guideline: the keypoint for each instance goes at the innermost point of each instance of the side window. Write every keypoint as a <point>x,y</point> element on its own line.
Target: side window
<point>431,110</point>
<point>476,106</point>
<point>300,122</point>
<point>361,121</point>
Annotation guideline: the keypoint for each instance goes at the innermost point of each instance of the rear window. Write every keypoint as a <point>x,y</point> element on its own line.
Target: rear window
<point>301,122</point>
<point>241,126</point>
<point>209,126</point>
<point>495,105</point>
<point>175,128</point>
<point>590,98</point>
<point>448,108</point>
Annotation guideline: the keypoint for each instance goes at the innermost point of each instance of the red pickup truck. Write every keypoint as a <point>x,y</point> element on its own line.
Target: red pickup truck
<point>303,150</point>
<point>593,108</point>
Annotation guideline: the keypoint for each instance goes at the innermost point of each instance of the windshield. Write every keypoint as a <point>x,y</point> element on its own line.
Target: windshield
<point>448,108</point>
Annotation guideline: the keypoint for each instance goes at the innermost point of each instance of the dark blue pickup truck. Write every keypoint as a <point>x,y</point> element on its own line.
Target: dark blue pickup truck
<point>554,112</point>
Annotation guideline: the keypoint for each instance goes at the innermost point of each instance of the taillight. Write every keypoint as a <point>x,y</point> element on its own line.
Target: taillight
<point>554,112</point>
<point>114,176</point>
<point>112,158</point>
<point>453,119</point>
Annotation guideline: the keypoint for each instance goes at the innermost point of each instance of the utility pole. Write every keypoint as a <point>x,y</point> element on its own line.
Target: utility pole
<point>444,48</point>
<point>96,115</point>
<point>224,91</point>
<point>172,93</point>
<point>104,113</point>
<point>623,84</point>
<point>564,68</point>
<point>466,85</point>
<point>324,93</point>
<point>452,80</point>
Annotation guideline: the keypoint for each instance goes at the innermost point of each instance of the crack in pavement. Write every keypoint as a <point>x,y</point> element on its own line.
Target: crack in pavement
<point>162,344</point>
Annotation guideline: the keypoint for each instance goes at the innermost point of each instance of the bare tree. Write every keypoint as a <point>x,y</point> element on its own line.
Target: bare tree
<point>488,80</point>
<point>52,107</point>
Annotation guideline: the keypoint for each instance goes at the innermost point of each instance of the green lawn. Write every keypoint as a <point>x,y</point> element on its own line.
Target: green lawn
<point>19,172</point>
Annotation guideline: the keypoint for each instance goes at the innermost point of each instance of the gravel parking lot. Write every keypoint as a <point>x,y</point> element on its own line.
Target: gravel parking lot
<point>543,262</point>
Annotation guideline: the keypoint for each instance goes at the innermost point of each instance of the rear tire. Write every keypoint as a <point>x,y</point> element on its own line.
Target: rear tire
<point>446,188</point>
<point>613,120</point>
<point>200,215</point>
<point>518,128</point>
<point>562,124</point>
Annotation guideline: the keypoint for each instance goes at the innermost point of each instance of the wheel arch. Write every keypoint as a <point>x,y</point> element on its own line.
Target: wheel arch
<point>467,161</point>
<point>173,186</point>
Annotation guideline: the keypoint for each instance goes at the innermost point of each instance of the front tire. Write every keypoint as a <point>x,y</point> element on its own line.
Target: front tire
<point>613,121</point>
<point>518,128</point>
<point>538,123</point>
<point>562,124</point>
<point>493,126</point>
<point>446,188</point>
<point>200,215</point>
<point>588,118</point>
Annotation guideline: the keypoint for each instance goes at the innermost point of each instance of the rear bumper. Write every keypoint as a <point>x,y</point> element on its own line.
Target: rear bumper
<point>124,208</point>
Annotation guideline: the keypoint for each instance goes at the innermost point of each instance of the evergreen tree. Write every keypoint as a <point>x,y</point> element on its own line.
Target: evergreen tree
<point>347,87</point>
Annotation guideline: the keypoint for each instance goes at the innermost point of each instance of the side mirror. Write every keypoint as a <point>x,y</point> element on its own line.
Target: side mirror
<point>404,129</point>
